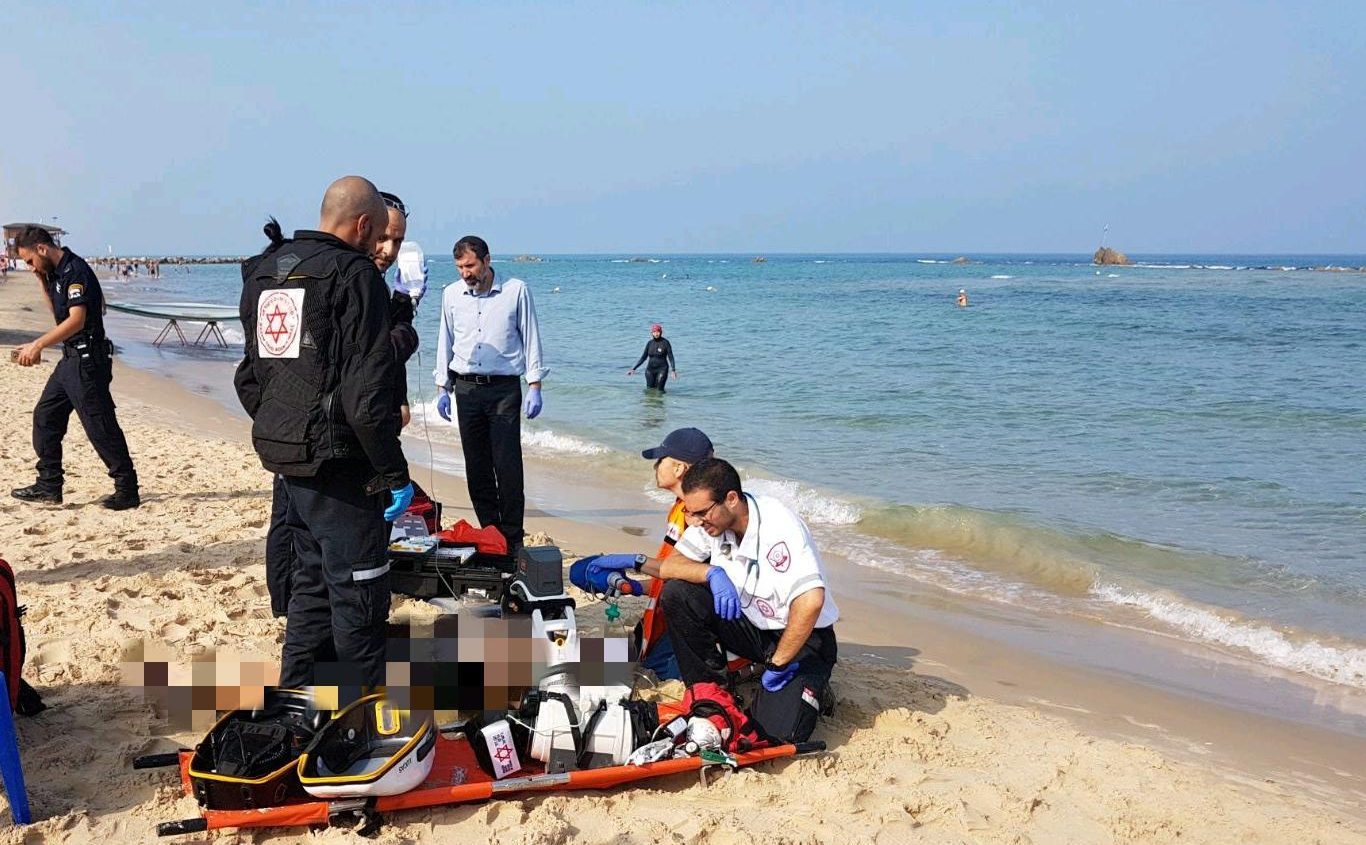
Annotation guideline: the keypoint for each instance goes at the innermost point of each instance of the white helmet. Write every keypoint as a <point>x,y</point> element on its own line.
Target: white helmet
<point>370,748</point>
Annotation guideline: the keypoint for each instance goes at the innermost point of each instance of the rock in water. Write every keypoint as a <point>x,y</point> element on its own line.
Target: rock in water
<point>1105,255</point>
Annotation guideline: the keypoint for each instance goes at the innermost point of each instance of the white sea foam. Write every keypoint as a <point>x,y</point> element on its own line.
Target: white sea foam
<point>815,507</point>
<point>1003,277</point>
<point>654,494</point>
<point>565,444</point>
<point>1341,665</point>
<point>929,261</point>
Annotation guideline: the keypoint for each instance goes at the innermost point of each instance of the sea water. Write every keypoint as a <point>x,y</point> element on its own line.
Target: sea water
<point>1178,446</point>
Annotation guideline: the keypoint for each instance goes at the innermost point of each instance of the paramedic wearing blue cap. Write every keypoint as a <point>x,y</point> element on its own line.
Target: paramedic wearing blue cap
<point>746,578</point>
<point>487,341</point>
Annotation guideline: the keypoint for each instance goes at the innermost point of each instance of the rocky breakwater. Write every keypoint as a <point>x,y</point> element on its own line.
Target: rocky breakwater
<point>1105,255</point>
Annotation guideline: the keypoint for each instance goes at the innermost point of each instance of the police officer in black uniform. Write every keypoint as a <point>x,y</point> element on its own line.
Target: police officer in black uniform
<point>318,380</point>
<point>81,379</point>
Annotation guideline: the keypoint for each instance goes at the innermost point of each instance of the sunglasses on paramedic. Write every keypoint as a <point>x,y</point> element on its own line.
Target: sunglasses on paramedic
<point>394,202</point>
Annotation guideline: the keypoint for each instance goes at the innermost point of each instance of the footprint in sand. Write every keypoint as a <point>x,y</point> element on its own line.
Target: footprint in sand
<point>173,632</point>
<point>50,652</point>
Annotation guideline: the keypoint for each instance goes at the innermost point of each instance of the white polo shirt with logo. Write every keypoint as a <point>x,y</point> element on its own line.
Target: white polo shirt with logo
<point>774,563</point>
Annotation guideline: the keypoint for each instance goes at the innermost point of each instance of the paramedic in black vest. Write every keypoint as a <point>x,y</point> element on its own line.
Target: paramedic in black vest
<point>403,337</point>
<point>81,379</point>
<point>318,380</point>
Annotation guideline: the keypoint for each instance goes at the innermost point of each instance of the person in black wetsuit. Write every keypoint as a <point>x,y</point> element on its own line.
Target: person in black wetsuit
<point>661,355</point>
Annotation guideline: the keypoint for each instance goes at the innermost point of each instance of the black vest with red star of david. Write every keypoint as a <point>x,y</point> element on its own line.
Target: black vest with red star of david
<point>314,344</point>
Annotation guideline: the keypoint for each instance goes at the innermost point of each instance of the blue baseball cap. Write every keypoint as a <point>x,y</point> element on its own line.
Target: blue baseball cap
<point>688,445</point>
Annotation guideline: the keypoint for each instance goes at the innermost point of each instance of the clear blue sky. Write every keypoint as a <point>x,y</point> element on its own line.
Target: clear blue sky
<point>698,127</point>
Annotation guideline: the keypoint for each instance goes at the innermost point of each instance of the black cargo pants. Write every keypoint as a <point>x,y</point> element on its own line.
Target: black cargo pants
<point>80,382</point>
<point>701,638</point>
<point>339,597</point>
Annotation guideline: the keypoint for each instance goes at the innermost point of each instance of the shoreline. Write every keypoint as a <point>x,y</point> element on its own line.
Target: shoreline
<point>609,509</point>
<point>906,648</point>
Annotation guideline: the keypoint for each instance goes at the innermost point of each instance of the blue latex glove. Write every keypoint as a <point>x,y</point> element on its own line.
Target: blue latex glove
<point>533,403</point>
<point>775,679</point>
<point>617,563</point>
<point>403,497</point>
<point>725,600</point>
<point>591,577</point>
<point>443,406</point>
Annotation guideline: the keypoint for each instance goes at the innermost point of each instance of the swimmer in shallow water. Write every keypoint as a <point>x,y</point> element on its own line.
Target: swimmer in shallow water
<point>660,354</point>
<point>962,298</point>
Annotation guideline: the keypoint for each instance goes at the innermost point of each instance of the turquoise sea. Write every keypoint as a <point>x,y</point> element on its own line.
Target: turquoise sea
<point>1178,446</point>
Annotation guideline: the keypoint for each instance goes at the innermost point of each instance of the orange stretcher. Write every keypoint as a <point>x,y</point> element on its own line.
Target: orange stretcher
<point>456,778</point>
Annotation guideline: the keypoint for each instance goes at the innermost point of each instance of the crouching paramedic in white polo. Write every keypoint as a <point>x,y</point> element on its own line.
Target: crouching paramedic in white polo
<point>761,595</point>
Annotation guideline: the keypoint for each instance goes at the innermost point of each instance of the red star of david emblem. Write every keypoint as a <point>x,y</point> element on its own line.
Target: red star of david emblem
<point>275,324</point>
<point>504,754</point>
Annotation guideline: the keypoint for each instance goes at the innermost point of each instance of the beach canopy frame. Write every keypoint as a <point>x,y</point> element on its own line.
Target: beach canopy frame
<point>191,312</point>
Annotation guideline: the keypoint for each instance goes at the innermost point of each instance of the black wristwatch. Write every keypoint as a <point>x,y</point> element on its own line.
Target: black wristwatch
<point>640,561</point>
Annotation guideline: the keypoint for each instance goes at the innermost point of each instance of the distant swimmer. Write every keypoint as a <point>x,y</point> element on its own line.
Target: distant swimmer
<point>661,355</point>
<point>962,298</point>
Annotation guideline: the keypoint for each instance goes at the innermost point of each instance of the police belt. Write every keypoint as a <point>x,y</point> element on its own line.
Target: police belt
<point>86,348</point>
<point>476,378</point>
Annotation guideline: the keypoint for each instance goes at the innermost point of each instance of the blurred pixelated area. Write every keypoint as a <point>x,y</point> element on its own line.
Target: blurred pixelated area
<point>448,664</point>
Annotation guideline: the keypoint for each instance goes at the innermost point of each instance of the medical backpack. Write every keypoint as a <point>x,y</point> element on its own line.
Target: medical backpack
<point>23,699</point>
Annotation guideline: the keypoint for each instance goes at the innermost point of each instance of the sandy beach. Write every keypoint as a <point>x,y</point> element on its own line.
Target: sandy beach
<point>942,733</point>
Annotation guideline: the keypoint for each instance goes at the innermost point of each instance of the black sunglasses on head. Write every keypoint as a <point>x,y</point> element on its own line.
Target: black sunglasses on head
<point>394,202</point>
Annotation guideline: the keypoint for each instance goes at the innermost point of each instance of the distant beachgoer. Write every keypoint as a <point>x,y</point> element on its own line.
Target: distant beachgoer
<point>962,299</point>
<point>661,355</point>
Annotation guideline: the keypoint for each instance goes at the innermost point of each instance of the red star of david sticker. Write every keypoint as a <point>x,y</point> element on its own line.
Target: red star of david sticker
<point>504,754</point>
<point>275,324</point>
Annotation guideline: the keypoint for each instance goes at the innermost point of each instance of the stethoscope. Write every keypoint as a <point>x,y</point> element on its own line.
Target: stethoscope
<point>752,567</point>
